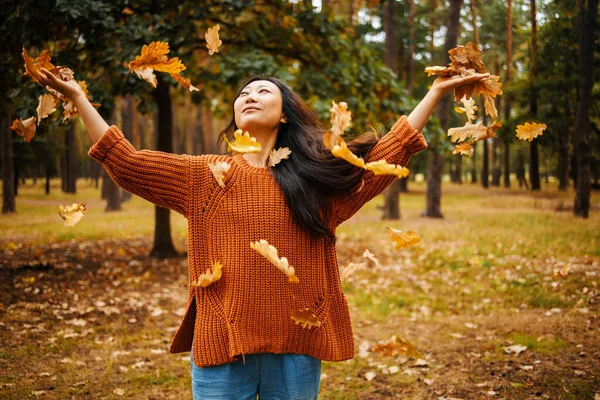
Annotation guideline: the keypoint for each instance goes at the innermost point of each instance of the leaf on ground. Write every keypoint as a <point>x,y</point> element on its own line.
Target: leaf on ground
<point>397,346</point>
<point>186,83</point>
<point>275,156</point>
<point>212,39</point>
<point>25,128</point>
<point>403,239</point>
<point>340,117</point>
<point>342,151</point>
<point>154,58</point>
<point>219,170</point>
<point>469,130</point>
<point>562,272</point>
<point>72,214</point>
<point>243,143</point>
<point>306,318</point>
<point>515,349</point>
<point>463,148</point>
<point>270,253</point>
<point>210,276</point>
<point>529,131</point>
<point>46,106</point>
<point>381,167</point>
<point>369,376</point>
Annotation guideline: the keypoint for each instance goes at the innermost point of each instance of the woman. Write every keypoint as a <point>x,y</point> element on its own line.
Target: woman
<point>239,329</point>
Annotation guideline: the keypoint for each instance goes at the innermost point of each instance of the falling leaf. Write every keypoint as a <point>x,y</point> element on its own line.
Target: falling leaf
<point>341,151</point>
<point>490,107</point>
<point>69,109</point>
<point>468,131</point>
<point>351,268</point>
<point>463,148</point>
<point>46,106</point>
<point>370,256</point>
<point>306,318</point>
<point>561,272</point>
<point>25,128</point>
<point>330,140</point>
<point>516,349</point>
<point>340,117</point>
<point>529,131</point>
<point>153,58</point>
<point>209,276</point>
<point>219,171</point>
<point>270,253</point>
<point>185,82</point>
<point>490,132</point>
<point>32,67</point>
<point>212,39</point>
<point>403,239</point>
<point>397,346</point>
<point>275,156</point>
<point>243,143</point>
<point>381,167</point>
<point>72,214</point>
<point>468,108</point>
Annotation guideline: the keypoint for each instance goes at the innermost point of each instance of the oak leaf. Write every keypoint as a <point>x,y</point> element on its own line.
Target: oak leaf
<point>46,106</point>
<point>270,253</point>
<point>490,107</point>
<point>469,130</point>
<point>529,131</point>
<point>351,268</point>
<point>463,148</point>
<point>442,71</point>
<point>210,276</point>
<point>32,67</point>
<point>468,57</point>
<point>397,346</point>
<point>340,117</point>
<point>370,256</point>
<point>468,108</point>
<point>275,156</point>
<point>219,170</point>
<point>25,128</point>
<point>403,239</point>
<point>186,83</point>
<point>243,143</point>
<point>381,167</point>
<point>212,39</point>
<point>72,214</point>
<point>342,151</point>
<point>154,58</point>
<point>306,318</point>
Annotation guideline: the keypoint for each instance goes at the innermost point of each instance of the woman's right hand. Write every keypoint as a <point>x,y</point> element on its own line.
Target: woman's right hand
<point>69,89</point>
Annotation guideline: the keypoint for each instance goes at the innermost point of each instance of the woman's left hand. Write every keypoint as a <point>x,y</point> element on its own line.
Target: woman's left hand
<point>444,84</point>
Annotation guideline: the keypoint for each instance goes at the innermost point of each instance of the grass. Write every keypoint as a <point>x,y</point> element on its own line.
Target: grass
<point>480,280</point>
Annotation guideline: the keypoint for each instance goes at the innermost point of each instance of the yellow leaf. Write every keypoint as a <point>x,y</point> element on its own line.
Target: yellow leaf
<point>463,148</point>
<point>212,40</point>
<point>561,272</point>
<point>72,214</point>
<point>243,143</point>
<point>209,276</point>
<point>153,58</point>
<point>270,253</point>
<point>275,156</point>
<point>403,239</point>
<point>468,108</point>
<point>46,106</point>
<point>306,318</point>
<point>490,107</point>
<point>32,67</point>
<point>219,171</point>
<point>185,82</point>
<point>341,151</point>
<point>442,71</point>
<point>340,117</point>
<point>381,167</point>
<point>26,128</point>
<point>397,346</point>
<point>468,131</point>
<point>530,130</point>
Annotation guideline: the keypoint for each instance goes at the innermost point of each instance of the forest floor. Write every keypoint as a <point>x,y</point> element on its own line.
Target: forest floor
<point>86,314</point>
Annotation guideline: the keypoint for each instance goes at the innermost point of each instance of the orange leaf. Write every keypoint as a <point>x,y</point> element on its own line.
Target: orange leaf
<point>403,239</point>
<point>275,156</point>
<point>209,276</point>
<point>463,148</point>
<point>468,57</point>
<point>442,71</point>
<point>243,143</point>
<point>561,272</point>
<point>270,253</point>
<point>32,67</point>
<point>185,82</point>
<point>529,131</point>
<point>26,128</point>
<point>397,346</point>
<point>46,106</point>
<point>72,214</point>
<point>306,318</point>
<point>153,58</point>
<point>212,39</point>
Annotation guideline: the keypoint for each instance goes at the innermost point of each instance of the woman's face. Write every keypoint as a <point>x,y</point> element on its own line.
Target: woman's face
<point>258,107</point>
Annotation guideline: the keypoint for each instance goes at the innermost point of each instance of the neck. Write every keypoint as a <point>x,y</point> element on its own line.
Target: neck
<point>267,140</point>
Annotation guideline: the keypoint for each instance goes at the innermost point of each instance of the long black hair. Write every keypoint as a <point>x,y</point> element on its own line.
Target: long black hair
<point>312,174</point>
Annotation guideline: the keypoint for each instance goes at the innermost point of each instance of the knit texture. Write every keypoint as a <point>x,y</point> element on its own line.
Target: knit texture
<point>248,310</point>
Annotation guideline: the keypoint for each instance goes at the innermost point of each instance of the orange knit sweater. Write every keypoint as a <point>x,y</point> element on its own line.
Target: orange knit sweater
<point>248,310</point>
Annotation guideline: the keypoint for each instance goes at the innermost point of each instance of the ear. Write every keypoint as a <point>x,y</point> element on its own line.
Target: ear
<point>283,119</point>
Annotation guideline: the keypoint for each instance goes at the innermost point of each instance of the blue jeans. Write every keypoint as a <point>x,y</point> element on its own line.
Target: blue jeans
<point>270,376</point>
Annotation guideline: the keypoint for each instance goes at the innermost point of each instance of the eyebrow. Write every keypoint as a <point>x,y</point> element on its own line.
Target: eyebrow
<point>261,86</point>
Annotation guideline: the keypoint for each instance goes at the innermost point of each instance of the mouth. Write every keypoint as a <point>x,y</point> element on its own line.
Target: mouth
<point>250,109</point>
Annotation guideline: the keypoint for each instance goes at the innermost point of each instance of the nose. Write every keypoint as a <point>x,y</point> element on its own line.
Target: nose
<point>250,98</point>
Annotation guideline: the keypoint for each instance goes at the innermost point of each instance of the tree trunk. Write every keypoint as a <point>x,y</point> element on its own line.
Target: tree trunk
<point>48,173</point>
<point>458,169</point>
<point>70,160</point>
<point>506,156</point>
<point>110,191</point>
<point>563,151</point>
<point>163,243</point>
<point>8,192</point>
<point>391,204</point>
<point>507,100</point>
<point>410,70</point>
<point>534,162</point>
<point>485,168</point>
<point>520,170</point>
<point>474,164</point>
<point>435,164</point>
<point>587,24</point>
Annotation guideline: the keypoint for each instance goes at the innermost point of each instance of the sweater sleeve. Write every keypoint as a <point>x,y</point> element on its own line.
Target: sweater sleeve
<point>400,143</point>
<point>159,177</point>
